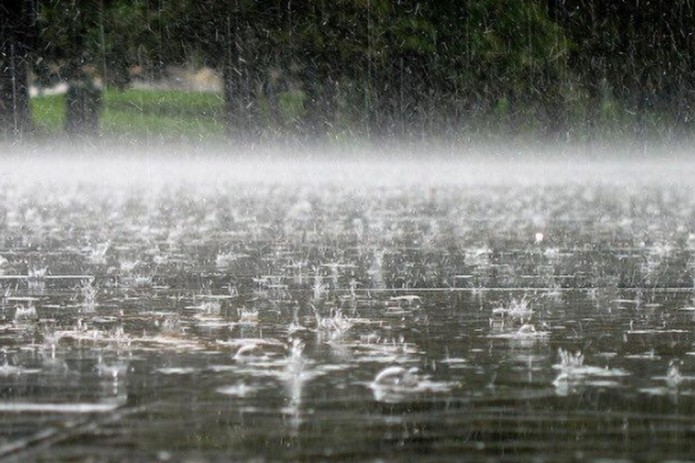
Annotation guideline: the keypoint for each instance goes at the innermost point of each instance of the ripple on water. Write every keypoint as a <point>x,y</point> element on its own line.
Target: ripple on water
<point>177,370</point>
<point>396,383</point>
<point>259,319</point>
<point>239,390</point>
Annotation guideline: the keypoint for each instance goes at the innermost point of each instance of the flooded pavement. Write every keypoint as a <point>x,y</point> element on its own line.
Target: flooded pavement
<point>174,319</point>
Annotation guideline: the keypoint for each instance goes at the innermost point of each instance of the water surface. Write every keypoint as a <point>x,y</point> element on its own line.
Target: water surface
<point>192,311</point>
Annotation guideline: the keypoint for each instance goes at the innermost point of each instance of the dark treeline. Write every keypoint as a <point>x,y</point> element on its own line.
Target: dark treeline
<point>378,67</point>
<point>16,41</point>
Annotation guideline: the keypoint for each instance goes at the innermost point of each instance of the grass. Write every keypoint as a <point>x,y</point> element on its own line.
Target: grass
<point>170,114</point>
<point>48,113</point>
<point>179,115</point>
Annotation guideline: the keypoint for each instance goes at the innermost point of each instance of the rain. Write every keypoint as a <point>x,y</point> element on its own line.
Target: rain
<point>370,230</point>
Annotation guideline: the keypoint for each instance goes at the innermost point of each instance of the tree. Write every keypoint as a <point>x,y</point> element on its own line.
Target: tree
<point>17,35</point>
<point>91,44</point>
<point>386,67</point>
<point>635,58</point>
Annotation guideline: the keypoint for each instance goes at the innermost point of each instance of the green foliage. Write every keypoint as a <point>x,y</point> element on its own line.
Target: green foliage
<point>388,66</point>
<point>102,38</point>
<point>169,114</point>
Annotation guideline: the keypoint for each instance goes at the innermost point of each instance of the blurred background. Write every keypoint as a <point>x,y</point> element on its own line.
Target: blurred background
<point>561,70</point>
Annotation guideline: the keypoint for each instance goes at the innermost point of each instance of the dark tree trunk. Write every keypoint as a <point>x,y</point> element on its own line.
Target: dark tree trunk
<point>315,123</point>
<point>231,109</point>
<point>83,100</point>
<point>239,101</point>
<point>16,39</point>
<point>83,106</point>
<point>238,73</point>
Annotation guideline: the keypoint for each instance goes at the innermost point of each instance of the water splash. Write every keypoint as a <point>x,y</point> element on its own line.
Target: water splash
<point>402,305</point>
<point>574,373</point>
<point>332,328</point>
<point>570,361</point>
<point>248,316</point>
<point>89,297</point>
<point>295,359</point>
<point>319,289</point>
<point>397,376</point>
<point>25,313</point>
<point>397,383</point>
<point>37,274</point>
<point>673,375</point>
<point>127,266</point>
<point>257,350</point>
<point>97,253</point>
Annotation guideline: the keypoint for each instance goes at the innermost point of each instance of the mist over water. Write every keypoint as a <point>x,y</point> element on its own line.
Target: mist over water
<point>204,165</point>
<point>398,302</point>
